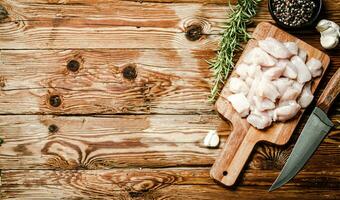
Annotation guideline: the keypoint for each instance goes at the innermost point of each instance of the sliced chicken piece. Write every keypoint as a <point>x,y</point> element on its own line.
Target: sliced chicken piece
<point>266,89</point>
<point>290,70</point>
<point>242,70</point>
<point>259,57</point>
<point>315,67</point>
<point>270,113</point>
<point>290,94</point>
<point>298,86</point>
<point>303,74</point>
<point>286,111</point>
<point>239,103</point>
<point>282,62</point>
<point>254,70</point>
<point>292,47</point>
<point>249,81</point>
<point>260,120</point>
<point>303,55</point>
<point>274,48</point>
<point>306,96</point>
<point>263,104</point>
<point>274,72</point>
<point>282,84</point>
<point>253,88</point>
<point>236,85</point>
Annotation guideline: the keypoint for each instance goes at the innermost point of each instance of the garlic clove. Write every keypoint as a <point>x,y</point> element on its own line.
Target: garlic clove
<point>323,25</point>
<point>330,32</point>
<point>335,26</point>
<point>329,42</point>
<point>211,139</point>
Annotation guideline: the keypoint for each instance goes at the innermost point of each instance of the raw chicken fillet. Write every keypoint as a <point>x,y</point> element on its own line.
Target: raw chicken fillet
<point>259,57</point>
<point>240,103</point>
<point>275,48</point>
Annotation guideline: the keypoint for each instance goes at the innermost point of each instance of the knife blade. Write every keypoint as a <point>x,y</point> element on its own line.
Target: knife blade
<point>316,128</point>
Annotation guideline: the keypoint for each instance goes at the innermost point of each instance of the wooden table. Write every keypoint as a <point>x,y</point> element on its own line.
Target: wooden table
<point>108,100</point>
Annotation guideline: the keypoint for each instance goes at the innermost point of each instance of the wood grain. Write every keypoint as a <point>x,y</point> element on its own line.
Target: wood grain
<point>105,142</point>
<point>330,93</point>
<point>89,24</point>
<point>167,81</point>
<point>108,25</point>
<point>243,138</point>
<point>158,184</point>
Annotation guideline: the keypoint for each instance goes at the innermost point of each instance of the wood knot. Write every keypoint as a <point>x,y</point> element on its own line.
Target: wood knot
<point>1,141</point>
<point>2,81</point>
<point>55,100</point>
<point>270,157</point>
<point>3,13</point>
<point>53,128</point>
<point>129,72</point>
<point>194,32</point>
<point>73,65</point>
<point>136,194</point>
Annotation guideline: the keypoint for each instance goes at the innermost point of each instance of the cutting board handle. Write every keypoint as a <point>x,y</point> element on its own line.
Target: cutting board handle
<point>234,155</point>
<point>330,92</point>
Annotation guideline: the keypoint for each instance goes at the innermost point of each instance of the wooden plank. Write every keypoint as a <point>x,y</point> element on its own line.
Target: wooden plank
<point>89,24</point>
<point>107,141</point>
<point>108,25</point>
<point>173,176</point>
<point>104,142</point>
<point>160,184</point>
<point>165,81</point>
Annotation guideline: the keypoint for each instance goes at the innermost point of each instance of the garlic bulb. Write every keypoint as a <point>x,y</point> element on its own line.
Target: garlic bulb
<point>330,33</point>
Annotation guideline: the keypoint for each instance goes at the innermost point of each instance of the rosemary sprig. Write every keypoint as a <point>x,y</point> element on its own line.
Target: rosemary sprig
<point>235,32</point>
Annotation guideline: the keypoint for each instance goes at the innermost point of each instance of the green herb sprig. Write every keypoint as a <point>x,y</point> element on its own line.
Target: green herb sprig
<point>235,32</point>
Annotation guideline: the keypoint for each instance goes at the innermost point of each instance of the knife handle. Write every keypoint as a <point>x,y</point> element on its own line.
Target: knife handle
<point>330,92</point>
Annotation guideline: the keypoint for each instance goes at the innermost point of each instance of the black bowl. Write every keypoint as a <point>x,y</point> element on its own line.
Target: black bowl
<point>313,20</point>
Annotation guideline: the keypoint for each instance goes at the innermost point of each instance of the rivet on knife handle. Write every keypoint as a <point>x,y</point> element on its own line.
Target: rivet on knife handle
<point>330,92</point>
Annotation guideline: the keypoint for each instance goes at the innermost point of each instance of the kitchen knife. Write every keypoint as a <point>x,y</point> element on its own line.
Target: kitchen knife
<point>316,128</point>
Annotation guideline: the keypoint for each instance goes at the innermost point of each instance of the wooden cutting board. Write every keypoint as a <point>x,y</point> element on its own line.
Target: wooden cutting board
<point>243,137</point>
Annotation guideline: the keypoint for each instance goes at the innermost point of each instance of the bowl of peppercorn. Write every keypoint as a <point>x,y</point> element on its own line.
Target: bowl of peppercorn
<point>295,14</point>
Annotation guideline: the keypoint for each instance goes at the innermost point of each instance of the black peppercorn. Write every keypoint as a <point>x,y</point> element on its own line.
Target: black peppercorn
<point>293,12</point>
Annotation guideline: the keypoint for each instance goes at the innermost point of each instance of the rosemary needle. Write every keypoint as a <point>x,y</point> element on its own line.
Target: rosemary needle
<point>235,32</point>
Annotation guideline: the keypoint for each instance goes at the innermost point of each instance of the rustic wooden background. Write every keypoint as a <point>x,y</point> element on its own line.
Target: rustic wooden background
<point>107,99</point>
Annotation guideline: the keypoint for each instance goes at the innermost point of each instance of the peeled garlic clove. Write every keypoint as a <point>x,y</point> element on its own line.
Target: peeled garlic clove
<point>336,27</point>
<point>329,42</point>
<point>211,139</point>
<point>323,25</point>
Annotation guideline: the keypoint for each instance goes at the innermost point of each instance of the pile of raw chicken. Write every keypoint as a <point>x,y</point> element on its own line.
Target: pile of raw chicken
<point>273,82</point>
